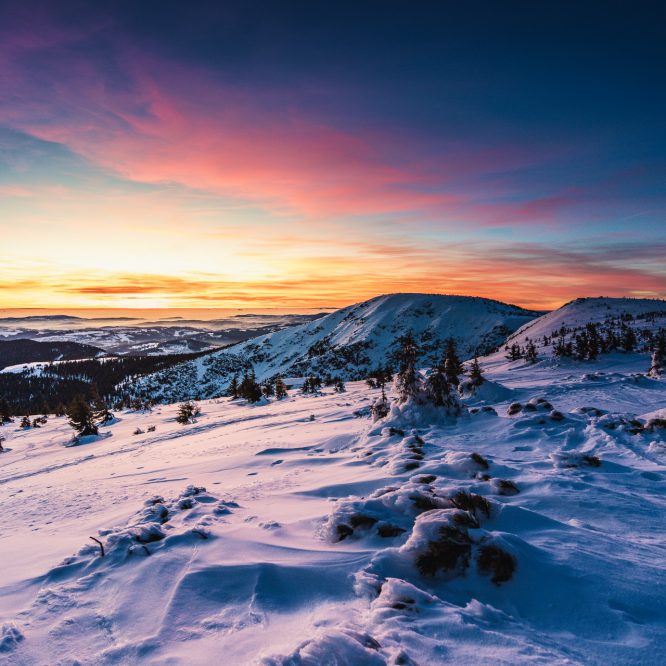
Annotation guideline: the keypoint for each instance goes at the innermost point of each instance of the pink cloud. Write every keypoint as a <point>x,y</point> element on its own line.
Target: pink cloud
<point>167,123</point>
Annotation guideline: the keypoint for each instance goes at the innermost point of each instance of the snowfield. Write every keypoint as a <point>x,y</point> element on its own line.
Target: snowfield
<point>300,532</point>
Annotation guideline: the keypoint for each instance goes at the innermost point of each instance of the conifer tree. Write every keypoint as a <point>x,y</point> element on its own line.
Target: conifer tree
<point>280,388</point>
<point>248,388</point>
<point>380,407</point>
<point>658,356</point>
<point>475,376</point>
<point>232,391</point>
<point>408,382</point>
<point>628,338</point>
<point>312,384</point>
<point>452,365</point>
<point>81,417</point>
<point>339,385</point>
<point>514,352</point>
<point>60,410</point>
<point>530,352</point>
<point>268,389</point>
<point>438,387</point>
<point>186,412</point>
<point>25,422</point>
<point>100,408</point>
<point>379,377</point>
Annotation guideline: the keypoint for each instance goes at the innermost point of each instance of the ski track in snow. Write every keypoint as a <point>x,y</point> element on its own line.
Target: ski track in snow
<point>251,570</point>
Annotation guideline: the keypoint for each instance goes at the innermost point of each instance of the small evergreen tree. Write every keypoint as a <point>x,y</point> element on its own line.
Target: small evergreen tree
<point>475,376</point>
<point>531,352</point>
<point>658,355</point>
<point>339,385</point>
<point>438,387</point>
<point>100,408</point>
<point>25,422</point>
<point>232,391</point>
<point>452,366</point>
<point>268,389</point>
<point>380,407</point>
<point>312,384</point>
<point>408,382</point>
<point>514,352</point>
<point>81,417</point>
<point>280,388</point>
<point>249,388</point>
<point>628,338</point>
<point>187,411</point>
<point>379,377</point>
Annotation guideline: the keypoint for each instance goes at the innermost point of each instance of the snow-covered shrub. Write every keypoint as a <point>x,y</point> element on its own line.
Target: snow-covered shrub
<point>494,561</point>
<point>10,637</point>
<point>504,487</point>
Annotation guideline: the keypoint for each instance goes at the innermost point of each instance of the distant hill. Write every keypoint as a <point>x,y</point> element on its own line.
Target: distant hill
<point>349,342</point>
<point>609,318</point>
<point>15,352</point>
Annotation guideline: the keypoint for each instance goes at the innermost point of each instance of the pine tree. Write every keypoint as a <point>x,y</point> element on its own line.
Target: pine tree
<point>81,417</point>
<point>514,352</point>
<point>312,384</point>
<point>60,410</point>
<point>101,409</point>
<point>582,347</point>
<point>379,377</point>
<point>438,387</point>
<point>25,422</point>
<point>280,388</point>
<point>452,365</point>
<point>475,376</point>
<point>268,389</point>
<point>530,352</point>
<point>248,388</point>
<point>339,385</point>
<point>232,391</point>
<point>408,381</point>
<point>5,412</point>
<point>658,356</point>
<point>186,412</point>
<point>380,407</point>
<point>628,338</point>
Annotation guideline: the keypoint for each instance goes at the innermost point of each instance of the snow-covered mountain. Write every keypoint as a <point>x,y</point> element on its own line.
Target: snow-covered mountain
<point>609,318</point>
<point>348,343</point>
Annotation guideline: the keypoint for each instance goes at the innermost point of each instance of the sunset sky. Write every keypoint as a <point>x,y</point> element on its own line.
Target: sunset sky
<point>240,154</point>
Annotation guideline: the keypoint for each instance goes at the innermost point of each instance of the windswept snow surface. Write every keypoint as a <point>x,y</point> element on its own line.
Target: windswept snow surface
<point>348,343</point>
<point>301,533</point>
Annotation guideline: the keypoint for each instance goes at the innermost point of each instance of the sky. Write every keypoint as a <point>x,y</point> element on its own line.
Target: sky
<point>315,154</point>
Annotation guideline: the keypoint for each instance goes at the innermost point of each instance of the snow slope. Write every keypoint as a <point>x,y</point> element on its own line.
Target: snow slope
<point>305,546</point>
<point>638,313</point>
<point>349,342</point>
